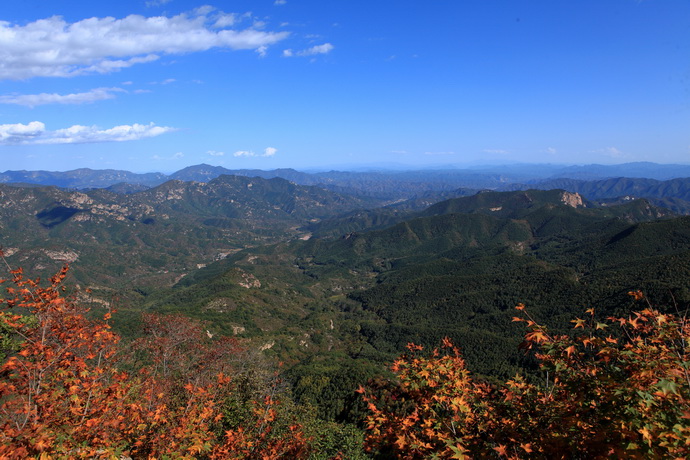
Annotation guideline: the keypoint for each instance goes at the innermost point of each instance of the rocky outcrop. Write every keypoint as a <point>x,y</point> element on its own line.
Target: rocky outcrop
<point>574,200</point>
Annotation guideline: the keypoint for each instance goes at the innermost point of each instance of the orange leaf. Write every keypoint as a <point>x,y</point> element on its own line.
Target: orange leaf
<point>578,323</point>
<point>502,450</point>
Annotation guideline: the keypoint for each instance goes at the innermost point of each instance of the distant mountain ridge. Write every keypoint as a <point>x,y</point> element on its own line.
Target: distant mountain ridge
<point>673,194</point>
<point>621,186</point>
<point>439,179</point>
<point>82,178</point>
<point>664,185</point>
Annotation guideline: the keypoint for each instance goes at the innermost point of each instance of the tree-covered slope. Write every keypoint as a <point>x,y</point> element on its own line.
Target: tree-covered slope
<point>455,270</point>
<point>156,235</point>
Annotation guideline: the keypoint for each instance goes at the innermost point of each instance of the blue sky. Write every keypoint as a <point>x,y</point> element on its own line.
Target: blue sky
<point>162,84</point>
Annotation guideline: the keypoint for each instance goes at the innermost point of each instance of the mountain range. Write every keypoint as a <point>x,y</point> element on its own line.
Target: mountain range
<point>335,275</point>
<point>157,233</point>
<point>455,269</point>
<point>668,185</point>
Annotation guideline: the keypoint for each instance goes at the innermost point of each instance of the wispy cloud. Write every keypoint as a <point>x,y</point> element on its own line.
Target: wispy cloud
<point>268,152</point>
<point>280,2</point>
<point>314,50</point>
<point>33,100</point>
<point>612,152</point>
<point>35,133</point>
<point>551,151</point>
<point>213,153</point>
<point>439,153</point>
<point>152,3</point>
<point>175,156</point>
<point>497,151</point>
<point>53,47</point>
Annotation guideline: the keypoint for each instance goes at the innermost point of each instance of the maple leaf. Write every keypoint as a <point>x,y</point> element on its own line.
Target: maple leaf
<point>502,450</point>
<point>570,350</point>
<point>637,295</point>
<point>536,336</point>
<point>645,433</point>
<point>400,441</point>
<point>610,339</point>
<point>578,323</point>
<point>526,447</point>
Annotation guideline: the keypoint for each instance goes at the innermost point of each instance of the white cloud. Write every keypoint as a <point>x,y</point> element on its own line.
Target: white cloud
<point>33,100</point>
<point>213,153</point>
<point>203,10</point>
<point>497,151</point>
<point>52,47</point>
<point>318,49</point>
<point>314,50</point>
<point>551,150</point>
<point>225,20</point>
<point>268,152</point>
<point>35,133</point>
<point>280,2</point>
<point>613,152</point>
<point>19,133</point>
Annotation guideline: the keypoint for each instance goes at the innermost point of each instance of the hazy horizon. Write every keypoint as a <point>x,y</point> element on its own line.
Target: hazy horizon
<point>379,167</point>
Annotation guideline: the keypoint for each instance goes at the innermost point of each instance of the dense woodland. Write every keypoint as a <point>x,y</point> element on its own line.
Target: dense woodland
<point>250,317</point>
<point>69,389</point>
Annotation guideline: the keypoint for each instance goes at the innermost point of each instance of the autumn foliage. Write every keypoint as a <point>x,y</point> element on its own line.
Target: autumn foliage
<point>616,388</point>
<point>63,395</point>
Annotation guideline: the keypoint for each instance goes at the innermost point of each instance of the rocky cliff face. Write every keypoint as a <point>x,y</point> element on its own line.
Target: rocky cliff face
<point>574,200</point>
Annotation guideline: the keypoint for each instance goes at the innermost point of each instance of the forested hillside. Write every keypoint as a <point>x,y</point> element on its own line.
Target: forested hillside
<point>367,294</point>
<point>246,273</point>
<point>69,389</point>
<point>152,237</point>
